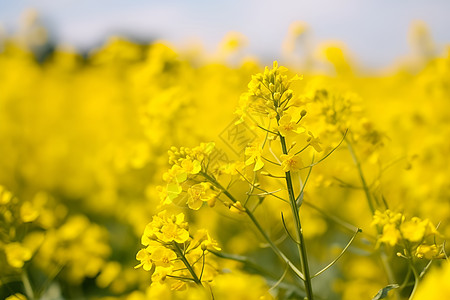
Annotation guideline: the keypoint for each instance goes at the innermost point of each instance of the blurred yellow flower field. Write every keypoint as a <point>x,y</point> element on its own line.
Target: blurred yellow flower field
<point>143,171</point>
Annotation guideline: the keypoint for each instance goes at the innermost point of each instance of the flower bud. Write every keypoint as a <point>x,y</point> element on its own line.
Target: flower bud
<point>277,96</point>
<point>288,94</point>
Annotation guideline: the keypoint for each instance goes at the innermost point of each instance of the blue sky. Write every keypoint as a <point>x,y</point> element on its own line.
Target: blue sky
<point>374,31</point>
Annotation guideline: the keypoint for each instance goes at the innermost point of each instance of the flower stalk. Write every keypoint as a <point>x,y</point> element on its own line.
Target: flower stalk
<point>187,264</point>
<point>301,242</point>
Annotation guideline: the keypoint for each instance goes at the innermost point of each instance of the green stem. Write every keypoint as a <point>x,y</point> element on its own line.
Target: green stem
<point>416,279</point>
<point>27,285</point>
<point>366,189</point>
<point>410,259</point>
<point>361,175</point>
<point>405,281</point>
<point>371,206</point>
<point>187,264</point>
<point>301,245</point>
<point>387,268</point>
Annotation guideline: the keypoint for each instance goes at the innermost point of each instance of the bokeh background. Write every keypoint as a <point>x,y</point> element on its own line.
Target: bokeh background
<point>94,94</point>
<point>376,32</point>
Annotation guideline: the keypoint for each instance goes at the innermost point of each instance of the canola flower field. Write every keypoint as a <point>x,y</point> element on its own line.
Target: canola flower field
<point>147,172</point>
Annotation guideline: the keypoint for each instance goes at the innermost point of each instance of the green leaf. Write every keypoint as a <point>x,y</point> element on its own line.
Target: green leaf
<point>384,291</point>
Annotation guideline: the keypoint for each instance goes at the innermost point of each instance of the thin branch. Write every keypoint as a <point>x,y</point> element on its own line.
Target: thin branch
<point>203,266</point>
<point>266,137</point>
<point>281,279</point>
<point>267,130</point>
<point>347,185</point>
<point>271,175</point>
<point>339,256</point>
<point>252,187</point>
<point>425,269</point>
<point>27,285</point>
<point>443,249</point>
<point>361,175</point>
<point>267,193</point>
<point>272,162</point>
<point>405,281</point>
<point>287,231</point>
<point>299,199</point>
<point>274,155</point>
<point>329,153</point>
<point>245,178</point>
<point>301,150</point>
<point>181,278</point>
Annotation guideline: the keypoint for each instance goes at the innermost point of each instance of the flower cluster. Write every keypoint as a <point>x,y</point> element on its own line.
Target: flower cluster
<point>413,234</point>
<point>32,233</point>
<point>182,177</point>
<point>173,256</point>
<point>268,93</point>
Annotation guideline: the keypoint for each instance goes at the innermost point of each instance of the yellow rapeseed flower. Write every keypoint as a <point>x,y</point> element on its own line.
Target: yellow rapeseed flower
<point>199,193</point>
<point>172,232</point>
<point>390,234</point>
<point>17,255</point>
<point>5,195</point>
<point>16,296</point>
<point>237,207</point>
<point>28,213</point>
<point>427,251</point>
<point>206,241</point>
<point>388,216</point>
<point>146,262</point>
<point>163,257</point>
<point>254,152</point>
<point>314,142</point>
<point>414,229</point>
<point>160,274</point>
<point>191,166</point>
<point>291,162</point>
<point>287,127</point>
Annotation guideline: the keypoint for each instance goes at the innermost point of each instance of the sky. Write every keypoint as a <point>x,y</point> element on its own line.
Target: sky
<point>375,32</point>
